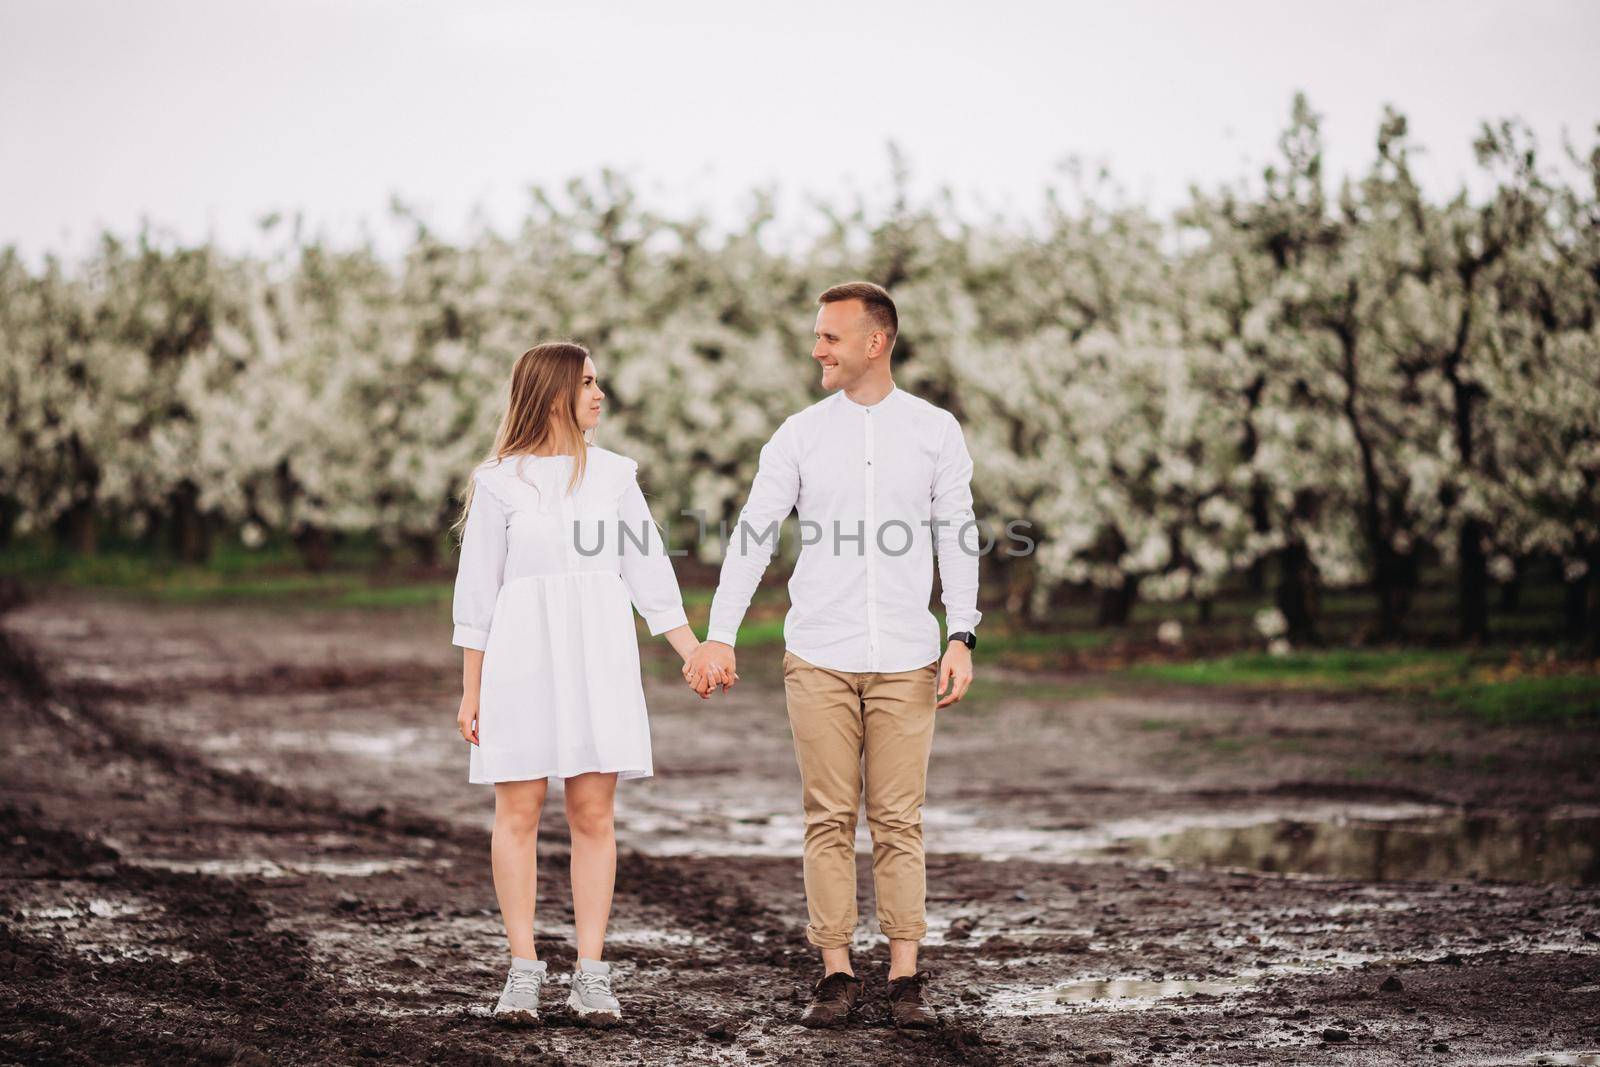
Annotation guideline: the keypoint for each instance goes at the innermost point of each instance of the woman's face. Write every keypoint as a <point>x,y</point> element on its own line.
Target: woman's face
<point>589,398</point>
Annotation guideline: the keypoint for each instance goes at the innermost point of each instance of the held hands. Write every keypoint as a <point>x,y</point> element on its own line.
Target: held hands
<point>710,665</point>
<point>955,673</point>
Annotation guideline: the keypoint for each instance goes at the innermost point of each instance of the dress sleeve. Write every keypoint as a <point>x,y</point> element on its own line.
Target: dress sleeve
<point>481,569</point>
<point>646,568</point>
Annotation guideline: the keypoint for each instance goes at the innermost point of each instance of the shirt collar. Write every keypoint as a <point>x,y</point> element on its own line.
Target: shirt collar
<point>888,398</point>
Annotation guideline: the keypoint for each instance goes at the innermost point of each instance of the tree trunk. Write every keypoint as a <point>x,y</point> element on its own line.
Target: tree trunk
<point>1511,590</point>
<point>76,529</point>
<point>1409,567</point>
<point>1018,584</point>
<point>1472,583</point>
<point>1249,445</point>
<point>316,547</point>
<point>1387,578</point>
<point>388,552</point>
<point>151,539</point>
<point>10,511</point>
<point>1255,579</point>
<point>1581,603</point>
<point>1116,602</point>
<point>425,547</point>
<point>191,533</point>
<point>1261,522</point>
<point>1575,606</point>
<point>1592,642</point>
<point>1296,593</point>
<point>1388,583</point>
<point>1592,636</point>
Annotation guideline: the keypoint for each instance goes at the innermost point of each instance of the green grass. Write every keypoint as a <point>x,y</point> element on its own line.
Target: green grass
<point>1030,642</point>
<point>1559,697</point>
<point>760,633</point>
<point>186,587</point>
<point>1358,669</point>
<point>1158,725</point>
<point>697,598</point>
<point>1470,683</point>
<point>413,595</point>
<point>327,591</point>
<point>271,576</point>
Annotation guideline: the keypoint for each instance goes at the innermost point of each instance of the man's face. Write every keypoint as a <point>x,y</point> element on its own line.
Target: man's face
<point>846,336</point>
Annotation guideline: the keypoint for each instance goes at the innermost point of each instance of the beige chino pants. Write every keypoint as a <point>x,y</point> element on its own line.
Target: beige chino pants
<point>858,732</point>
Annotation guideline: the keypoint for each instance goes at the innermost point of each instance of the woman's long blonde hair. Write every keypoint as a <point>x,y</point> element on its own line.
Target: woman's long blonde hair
<point>540,411</point>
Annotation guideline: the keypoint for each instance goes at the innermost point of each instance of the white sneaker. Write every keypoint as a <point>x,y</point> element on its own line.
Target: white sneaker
<point>591,998</point>
<point>519,1001</point>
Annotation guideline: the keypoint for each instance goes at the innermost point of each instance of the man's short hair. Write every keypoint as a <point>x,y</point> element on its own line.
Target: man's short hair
<point>877,301</point>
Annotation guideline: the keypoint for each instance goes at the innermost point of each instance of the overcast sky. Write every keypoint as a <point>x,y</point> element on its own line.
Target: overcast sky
<point>203,116</point>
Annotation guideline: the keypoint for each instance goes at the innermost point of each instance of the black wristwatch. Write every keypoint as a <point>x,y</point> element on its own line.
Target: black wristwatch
<point>966,637</point>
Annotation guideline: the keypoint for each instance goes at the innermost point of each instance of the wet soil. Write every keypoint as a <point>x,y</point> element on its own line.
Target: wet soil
<point>233,835</point>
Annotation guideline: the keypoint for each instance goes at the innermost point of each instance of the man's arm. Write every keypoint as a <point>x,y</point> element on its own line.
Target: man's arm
<point>773,495</point>
<point>952,514</point>
<point>957,559</point>
<point>754,538</point>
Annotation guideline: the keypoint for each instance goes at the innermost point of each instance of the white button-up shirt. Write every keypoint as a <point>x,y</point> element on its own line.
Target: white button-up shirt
<point>879,488</point>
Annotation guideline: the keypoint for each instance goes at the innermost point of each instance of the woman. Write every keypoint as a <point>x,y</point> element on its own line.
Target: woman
<point>556,540</point>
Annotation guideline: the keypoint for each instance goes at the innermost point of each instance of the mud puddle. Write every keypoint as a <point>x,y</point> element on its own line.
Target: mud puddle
<point>1363,842</point>
<point>256,867</point>
<point>1114,994</point>
<point>666,825</point>
<point>97,922</point>
<point>1440,848</point>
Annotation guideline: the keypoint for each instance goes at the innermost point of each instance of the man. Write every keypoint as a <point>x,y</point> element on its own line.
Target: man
<point>881,479</point>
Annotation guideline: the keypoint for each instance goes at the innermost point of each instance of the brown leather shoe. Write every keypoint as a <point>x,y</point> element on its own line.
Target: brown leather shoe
<point>906,1006</point>
<point>833,999</point>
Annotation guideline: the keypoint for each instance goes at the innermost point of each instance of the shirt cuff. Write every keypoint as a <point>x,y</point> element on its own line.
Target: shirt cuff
<point>662,621</point>
<point>725,636</point>
<point>467,637</point>
<point>961,624</point>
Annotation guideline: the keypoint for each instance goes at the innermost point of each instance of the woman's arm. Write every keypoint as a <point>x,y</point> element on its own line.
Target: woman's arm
<point>471,680</point>
<point>646,568</point>
<point>481,569</point>
<point>479,575</point>
<point>682,640</point>
<point>651,582</point>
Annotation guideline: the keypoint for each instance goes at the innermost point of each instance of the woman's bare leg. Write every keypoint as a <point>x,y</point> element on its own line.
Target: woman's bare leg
<point>590,800</point>
<point>514,848</point>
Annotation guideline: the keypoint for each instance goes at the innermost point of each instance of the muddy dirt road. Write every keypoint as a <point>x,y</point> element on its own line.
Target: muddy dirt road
<point>238,835</point>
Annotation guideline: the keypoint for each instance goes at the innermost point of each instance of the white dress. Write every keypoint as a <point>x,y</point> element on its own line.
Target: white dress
<point>543,588</point>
